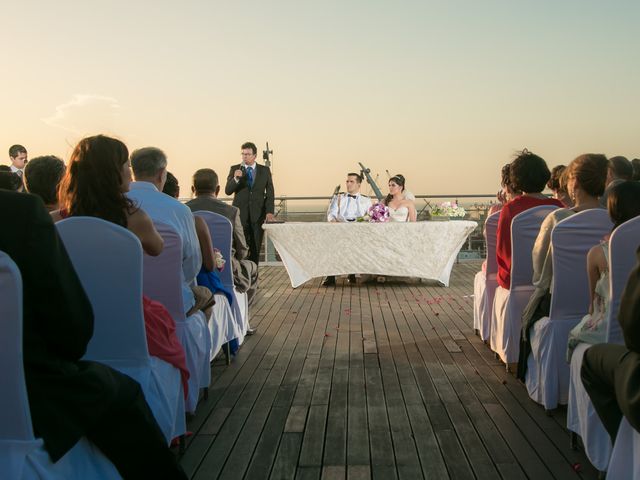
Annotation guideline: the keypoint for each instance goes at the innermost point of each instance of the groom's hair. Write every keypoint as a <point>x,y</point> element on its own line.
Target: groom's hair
<point>205,181</point>
<point>357,175</point>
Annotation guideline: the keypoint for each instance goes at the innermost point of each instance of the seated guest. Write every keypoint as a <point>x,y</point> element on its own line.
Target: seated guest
<point>94,186</point>
<point>620,170</point>
<point>558,185</point>
<point>206,189</point>
<point>18,159</point>
<point>624,204</point>
<point>171,186</point>
<point>635,163</point>
<point>611,373</point>
<point>70,398</point>
<point>42,176</point>
<point>586,175</point>
<point>528,174</point>
<point>10,180</point>
<point>150,171</point>
<point>208,276</point>
<point>400,209</point>
<point>506,194</point>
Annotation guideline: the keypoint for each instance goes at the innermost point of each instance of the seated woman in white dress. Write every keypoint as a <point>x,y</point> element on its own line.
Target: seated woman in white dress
<point>400,208</point>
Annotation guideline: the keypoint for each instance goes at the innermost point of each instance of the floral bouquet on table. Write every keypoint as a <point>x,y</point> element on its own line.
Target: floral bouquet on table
<point>378,213</point>
<point>447,209</point>
<point>218,259</point>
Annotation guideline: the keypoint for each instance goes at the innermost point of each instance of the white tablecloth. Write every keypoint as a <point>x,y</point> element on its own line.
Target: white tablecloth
<point>420,249</point>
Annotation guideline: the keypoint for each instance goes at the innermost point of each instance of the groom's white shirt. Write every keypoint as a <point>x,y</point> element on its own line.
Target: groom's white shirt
<point>344,207</point>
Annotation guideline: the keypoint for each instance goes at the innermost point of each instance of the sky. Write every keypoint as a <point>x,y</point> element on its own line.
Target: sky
<point>444,92</point>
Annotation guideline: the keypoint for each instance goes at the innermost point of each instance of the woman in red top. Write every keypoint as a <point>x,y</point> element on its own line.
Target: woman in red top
<point>529,174</point>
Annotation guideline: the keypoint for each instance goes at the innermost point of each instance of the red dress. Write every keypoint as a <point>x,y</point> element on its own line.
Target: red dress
<point>503,236</point>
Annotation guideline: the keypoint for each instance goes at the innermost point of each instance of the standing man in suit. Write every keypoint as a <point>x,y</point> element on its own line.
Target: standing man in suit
<point>252,189</point>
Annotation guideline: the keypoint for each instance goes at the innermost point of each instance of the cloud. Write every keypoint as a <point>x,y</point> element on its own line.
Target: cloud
<point>85,113</point>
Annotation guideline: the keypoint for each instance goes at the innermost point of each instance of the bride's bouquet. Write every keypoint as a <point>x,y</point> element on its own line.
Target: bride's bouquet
<point>378,213</point>
<point>447,209</point>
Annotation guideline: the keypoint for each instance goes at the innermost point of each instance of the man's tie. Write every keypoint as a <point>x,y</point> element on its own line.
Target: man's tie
<point>250,176</point>
<point>349,195</point>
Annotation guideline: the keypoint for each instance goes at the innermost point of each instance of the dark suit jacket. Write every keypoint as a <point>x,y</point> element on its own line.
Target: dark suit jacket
<point>254,203</point>
<point>67,397</point>
<point>629,315</point>
<point>209,204</point>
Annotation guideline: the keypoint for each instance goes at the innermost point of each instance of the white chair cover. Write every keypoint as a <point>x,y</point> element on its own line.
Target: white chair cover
<point>581,416</point>
<point>625,459</point>
<point>108,260</point>
<point>623,244</point>
<point>222,236</point>
<point>506,319</point>
<point>22,456</point>
<point>547,377</point>
<point>485,282</point>
<point>162,282</point>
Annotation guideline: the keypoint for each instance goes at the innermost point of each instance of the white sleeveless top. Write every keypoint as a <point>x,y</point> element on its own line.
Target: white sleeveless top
<point>399,215</point>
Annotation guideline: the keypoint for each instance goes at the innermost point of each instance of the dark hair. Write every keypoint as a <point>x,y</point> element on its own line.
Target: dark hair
<point>14,150</point>
<point>556,174</point>
<point>42,176</point>
<point>8,179</point>
<point>171,186</point>
<point>621,167</point>
<point>147,162</point>
<point>623,202</point>
<point>590,172</point>
<point>250,145</point>
<point>529,172</point>
<point>635,163</point>
<point>357,175</point>
<point>205,180</point>
<point>92,184</point>
<point>398,180</point>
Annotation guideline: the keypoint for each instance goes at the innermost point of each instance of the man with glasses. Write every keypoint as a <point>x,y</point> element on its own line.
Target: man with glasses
<point>252,188</point>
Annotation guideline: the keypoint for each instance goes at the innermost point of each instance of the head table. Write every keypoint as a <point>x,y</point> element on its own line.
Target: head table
<point>412,249</point>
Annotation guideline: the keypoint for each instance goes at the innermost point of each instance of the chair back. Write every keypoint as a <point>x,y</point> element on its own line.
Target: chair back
<point>162,279</point>
<point>221,236</point>
<point>490,235</point>
<point>571,239</point>
<point>108,261</point>
<point>15,417</point>
<point>623,244</point>
<point>524,230</point>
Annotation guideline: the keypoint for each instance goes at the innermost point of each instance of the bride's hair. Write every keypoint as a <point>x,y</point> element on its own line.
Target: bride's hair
<point>398,180</point>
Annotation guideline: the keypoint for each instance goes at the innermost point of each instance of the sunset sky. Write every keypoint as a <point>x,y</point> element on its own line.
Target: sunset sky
<point>443,92</point>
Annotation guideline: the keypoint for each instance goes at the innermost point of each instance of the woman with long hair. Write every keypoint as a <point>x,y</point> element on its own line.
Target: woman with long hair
<point>400,208</point>
<point>94,185</point>
<point>586,179</point>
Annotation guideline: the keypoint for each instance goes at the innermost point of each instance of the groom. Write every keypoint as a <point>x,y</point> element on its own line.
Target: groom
<point>252,189</point>
<point>347,207</point>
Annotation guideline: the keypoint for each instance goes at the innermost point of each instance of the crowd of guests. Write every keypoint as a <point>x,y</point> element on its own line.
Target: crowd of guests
<point>70,398</point>
<point>610,373</point>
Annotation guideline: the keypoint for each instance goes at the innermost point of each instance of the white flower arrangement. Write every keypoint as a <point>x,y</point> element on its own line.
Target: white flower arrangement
<point>447,209</point>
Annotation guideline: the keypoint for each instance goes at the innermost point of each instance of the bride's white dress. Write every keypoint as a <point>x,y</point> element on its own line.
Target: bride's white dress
<point>399,215</point>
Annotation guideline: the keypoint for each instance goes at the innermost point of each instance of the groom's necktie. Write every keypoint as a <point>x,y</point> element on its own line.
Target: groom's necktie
<point>250,176</point>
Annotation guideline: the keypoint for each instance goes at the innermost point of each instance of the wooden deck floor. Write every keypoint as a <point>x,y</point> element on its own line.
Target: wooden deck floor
<point>378,381</point>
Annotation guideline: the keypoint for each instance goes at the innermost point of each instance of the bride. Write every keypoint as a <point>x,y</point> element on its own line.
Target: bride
<point>400,208</point>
